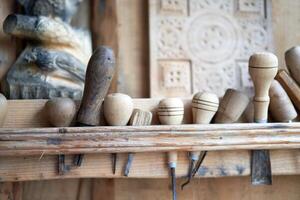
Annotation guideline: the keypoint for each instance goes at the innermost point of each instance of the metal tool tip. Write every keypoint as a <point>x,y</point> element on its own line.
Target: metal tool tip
<point>114,162</point>
<point>128,164</point>
<point>173,177</point>
<point>78,160</point>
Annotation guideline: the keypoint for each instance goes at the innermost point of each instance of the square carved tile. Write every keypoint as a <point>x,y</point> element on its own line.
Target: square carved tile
<point>175,77</point>
<point>205,40</point>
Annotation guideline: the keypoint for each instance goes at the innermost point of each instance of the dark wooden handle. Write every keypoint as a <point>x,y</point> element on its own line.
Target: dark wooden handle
<point>98,77</point>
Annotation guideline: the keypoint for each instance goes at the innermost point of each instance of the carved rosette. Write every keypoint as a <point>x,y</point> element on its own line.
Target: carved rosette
<point>208,42</point>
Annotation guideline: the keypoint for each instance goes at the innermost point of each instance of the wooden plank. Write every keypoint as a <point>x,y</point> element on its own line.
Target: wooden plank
<point>145,165</point>
<point>104,23</point>
<point>108,139</point>
<point>122,25</point>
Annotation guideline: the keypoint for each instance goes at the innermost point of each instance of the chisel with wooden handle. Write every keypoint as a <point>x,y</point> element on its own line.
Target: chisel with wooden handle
<point>263,68</point>
<point>170,112</point>
<point>138,118</point>
<point>99,74</point>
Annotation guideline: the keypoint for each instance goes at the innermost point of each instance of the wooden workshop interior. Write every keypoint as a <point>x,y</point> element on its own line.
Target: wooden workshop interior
<point>149,99</point>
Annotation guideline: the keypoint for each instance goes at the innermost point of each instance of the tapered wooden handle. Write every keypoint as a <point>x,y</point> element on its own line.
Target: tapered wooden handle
<point>98,77</point>
<point>262,68</point>
<point>231,107</point>
<point>281,107</point>
<point>290,86</point>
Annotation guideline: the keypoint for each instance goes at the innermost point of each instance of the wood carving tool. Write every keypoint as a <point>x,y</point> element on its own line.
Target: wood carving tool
<point>138,118</point>
<point>263,68</point>
<point>231,107</point>
<point>99,74</point>
<point>290,86</point>
<point>117,111</point>
<point>60,113</point>
<point>170,112</point>
<point>292,60</point>
<point>204,107</point>
<point>281,107</point>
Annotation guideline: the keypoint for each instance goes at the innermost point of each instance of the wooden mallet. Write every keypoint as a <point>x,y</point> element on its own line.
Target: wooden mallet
<point>263,67</point>
<point>99,74</point>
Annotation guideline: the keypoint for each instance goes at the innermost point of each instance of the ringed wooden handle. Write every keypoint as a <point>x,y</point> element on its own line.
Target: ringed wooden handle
<point>98,77</point>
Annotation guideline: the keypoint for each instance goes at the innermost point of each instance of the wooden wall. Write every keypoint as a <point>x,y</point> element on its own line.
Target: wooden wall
<point>126,30</point>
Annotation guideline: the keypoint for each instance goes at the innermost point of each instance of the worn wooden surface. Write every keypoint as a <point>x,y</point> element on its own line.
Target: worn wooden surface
<point>145,165</point>
<point>227,163</point>
<point>122,139</point>
<point>123,25</point>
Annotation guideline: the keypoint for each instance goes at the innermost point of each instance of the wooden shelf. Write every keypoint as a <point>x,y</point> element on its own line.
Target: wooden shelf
<point>29,153</point>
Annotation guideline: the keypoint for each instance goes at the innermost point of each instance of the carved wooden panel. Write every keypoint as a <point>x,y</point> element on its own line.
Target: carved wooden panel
<point>204,45</point>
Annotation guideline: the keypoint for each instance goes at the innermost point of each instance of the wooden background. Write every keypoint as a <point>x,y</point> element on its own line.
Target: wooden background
<point>123,24</point>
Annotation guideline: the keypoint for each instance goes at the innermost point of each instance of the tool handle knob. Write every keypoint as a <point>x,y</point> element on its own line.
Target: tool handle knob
<point>204,107</point>
<point>281,107</point>
<point>292,60</point>
<point>263,68</point>
<point>232,106</point>
<point>98,77</point>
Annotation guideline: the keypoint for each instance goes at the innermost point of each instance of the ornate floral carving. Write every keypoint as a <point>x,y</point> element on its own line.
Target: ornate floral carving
<point>216,36</point>
<point>176,74</point>
<point>170,38</point>
<point>212,37</point>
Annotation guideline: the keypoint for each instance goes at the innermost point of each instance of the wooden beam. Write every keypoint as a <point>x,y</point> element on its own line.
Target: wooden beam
<point>145,165</point>
<point>106,139</point>
<point>29,113</point>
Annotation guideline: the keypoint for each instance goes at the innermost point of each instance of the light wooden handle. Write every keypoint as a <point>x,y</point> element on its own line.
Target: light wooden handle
<point>290,86</point>
<point>99,74</point>
<point>172,159</point>
<point>262,68</point>
<point>204,107</point>
<point>232,106</point>
<point>292,60</point>
<point>281,107</point>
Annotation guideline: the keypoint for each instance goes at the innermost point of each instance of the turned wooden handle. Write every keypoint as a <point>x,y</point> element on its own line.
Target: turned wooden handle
<point>281,107</point>
<point>231,107</point>
<point>98,77</point>
<point>290,86</point>
<point>172,158</point>
<point>262,68</point>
